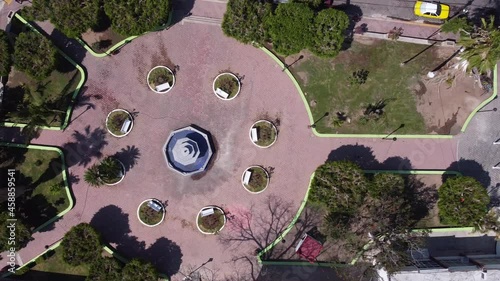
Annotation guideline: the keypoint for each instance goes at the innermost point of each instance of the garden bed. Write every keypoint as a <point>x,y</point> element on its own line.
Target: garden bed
<point>103,40</point>
<point>115,121</point>
<point>112,180</point>
<point>267,133</point>
<point>258,181</point>
<point>367,90</point>
<point>55,92</point>
<point>148,216</point>
<point>212,223</point>
<point>158,77</point>
<point>41,192</point>
<point>228,83</point>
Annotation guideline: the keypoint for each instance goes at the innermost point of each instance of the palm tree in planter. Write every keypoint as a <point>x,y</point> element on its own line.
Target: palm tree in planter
<point>109,172</point>
<point>211,220</point>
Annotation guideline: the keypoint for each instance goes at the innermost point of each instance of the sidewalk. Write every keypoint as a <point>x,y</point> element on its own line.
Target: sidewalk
<point>415,29</point>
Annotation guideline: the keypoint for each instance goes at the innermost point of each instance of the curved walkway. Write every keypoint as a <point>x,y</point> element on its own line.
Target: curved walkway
<point>201,52</point>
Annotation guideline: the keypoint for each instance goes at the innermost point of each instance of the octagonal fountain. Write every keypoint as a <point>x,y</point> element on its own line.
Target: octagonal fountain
<point>188,150</point>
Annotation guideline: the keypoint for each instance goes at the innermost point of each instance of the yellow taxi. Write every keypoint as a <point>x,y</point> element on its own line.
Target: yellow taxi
<point>431,9</point>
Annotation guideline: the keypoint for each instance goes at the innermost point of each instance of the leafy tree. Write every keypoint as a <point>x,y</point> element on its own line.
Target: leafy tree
<point>74,17</point>
<point>340,185</point>
<point>457,24</point>
<point>328,32</point>
<point>244,20</point>
<point>35,55</point>
<point>289,27</point>
<point>91,176</point>
<point>131,18</point>
<point>40,10</point>
<point>105,269</point>
<point>314,4</point>
<point>23,234</point>
<point>463,201</point>
<point>5,54</point>
<point>81,244</point>
<point>137,270</point>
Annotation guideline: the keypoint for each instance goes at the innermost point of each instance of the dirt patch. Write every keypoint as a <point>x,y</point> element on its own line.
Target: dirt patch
<point>102,41</point>
<point>446,100</point>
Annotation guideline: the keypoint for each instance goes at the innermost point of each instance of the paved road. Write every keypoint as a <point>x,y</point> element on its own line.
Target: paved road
<point>404,8</point>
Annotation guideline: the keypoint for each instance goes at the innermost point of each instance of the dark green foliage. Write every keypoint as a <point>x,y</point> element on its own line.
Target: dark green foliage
<point>5,54</point>
<point>22,237</point>
<point>39,10</point>
<point>35,55</point>
<point>74,17</point>
<point>108,171</point>
<point>312,3</point>
<point>457,24</point>
<point>244,20</point>
<point>128,17</point>
<point>289,28</point>
<point>328,32</point>
<point>105,269</point>
<point>462,201</point>
<point>137,270</point>
<point>81,244</point>
<point>340,185</point>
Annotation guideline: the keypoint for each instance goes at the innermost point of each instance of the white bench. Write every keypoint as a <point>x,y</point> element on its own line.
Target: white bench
<point>254,135</point>
<point>163,87</point>
<point>207,212</point>
<point>126,126</point>
<point>246,177</point>
<point>221,93</point>
<point>155,206</point>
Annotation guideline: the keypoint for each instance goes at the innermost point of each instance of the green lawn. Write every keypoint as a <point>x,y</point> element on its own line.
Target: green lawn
<point>40,182</point>
<point>54,268</point>
<point>326,84</point>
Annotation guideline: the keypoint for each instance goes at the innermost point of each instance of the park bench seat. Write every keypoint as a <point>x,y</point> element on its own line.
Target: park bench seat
<point>221,93</point>
<point>246,177</point>
<point>254,135</point>
<point>207,212</point>
<point>126,126</point>
<point>163,87</point>
<point>155,206</point>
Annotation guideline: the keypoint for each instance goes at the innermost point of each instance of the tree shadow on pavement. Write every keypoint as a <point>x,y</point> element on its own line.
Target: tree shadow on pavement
<point>86,146</point>
<point>128,156</point>
<point>113,224</point>
<point>181,9</point>
<point>360,154</point>
<point>470,168</point>
<point>69,46</point>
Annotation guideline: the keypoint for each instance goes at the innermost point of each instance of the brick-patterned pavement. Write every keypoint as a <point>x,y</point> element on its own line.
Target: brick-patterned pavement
<point>201,52</point>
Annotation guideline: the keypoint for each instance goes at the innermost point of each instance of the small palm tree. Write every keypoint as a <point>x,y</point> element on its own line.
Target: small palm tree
<point>91,176</point>
<point>108,171</point>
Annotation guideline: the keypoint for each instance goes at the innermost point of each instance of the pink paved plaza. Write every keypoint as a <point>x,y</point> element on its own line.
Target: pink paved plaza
<point>201,52</point>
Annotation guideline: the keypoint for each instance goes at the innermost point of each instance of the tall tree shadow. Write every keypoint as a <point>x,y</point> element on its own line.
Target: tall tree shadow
<point>128,156</point>
<point>355,14</point>
<point>360,154</point>
<point>181,9</point>
<point>85,147</point>
<point>470,168</point>
<point>113,224</point>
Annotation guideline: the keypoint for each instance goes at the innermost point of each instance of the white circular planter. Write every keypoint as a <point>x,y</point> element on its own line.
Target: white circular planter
<point>210,207</point>
<point>129,116</point>
<point>234,76</point>
<point>167,90</point>
<point>123,174</point>
<point>243,176</point>
<point>273,128</point>
<point>163,212</point>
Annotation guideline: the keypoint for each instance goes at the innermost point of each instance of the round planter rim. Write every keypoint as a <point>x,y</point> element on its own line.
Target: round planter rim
<point>267,179</point>
<point>123,170</point>
<point>210,207</point>
<point>130,117</point>
<point>173,79</point>
<point>235,77</point>
<point>273,127</point>
<point>163,212</point>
